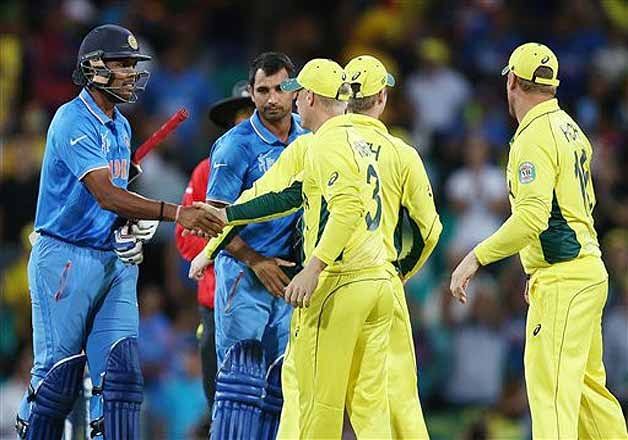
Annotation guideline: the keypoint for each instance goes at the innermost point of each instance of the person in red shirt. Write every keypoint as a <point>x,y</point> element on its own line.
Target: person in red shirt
<point>224,114</point>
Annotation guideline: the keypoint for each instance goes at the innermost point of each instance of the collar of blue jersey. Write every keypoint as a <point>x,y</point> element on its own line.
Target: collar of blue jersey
<point>267,136</point>
<point>540,109</point>
<point>93,108</point>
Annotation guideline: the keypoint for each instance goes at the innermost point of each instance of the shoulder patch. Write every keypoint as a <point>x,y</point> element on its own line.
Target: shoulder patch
<point>527,172</point>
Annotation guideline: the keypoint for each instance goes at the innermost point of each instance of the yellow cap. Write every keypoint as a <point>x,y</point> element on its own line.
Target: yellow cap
<point>321,76</point>
<point>528,57</point>
<point>367,76</point>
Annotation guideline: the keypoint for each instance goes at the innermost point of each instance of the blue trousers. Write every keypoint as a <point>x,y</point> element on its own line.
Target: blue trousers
<point>82,299</point>
<point>244,309</point>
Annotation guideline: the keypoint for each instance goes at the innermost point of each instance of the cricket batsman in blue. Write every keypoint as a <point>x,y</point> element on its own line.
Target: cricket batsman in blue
<point>249,275</point>
<point>83,266</point>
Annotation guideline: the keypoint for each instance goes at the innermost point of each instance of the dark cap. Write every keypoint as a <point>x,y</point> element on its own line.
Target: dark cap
<point>223,112</point>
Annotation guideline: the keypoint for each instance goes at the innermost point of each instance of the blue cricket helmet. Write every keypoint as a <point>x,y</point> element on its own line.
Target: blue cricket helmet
<point>104,43</point>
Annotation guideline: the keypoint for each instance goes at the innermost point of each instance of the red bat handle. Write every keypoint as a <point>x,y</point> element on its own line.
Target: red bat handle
<point>168,127</point>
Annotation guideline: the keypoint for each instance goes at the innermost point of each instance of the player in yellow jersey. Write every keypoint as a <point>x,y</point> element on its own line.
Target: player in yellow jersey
<point>344,292</point>
<point>551,226</point>
<point>407,203</point>
<point>406,200</point>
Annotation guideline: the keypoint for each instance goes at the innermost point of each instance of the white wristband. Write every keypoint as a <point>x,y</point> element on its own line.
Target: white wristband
<point>176,216</point>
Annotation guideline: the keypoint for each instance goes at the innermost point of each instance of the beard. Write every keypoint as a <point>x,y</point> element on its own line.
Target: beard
<point>274,113</point>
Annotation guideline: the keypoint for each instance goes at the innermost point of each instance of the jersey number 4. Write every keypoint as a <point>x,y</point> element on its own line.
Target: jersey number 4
<point>372,222</point>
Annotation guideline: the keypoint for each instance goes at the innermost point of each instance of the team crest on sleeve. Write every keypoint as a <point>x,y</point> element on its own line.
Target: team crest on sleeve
<point>527,172</point>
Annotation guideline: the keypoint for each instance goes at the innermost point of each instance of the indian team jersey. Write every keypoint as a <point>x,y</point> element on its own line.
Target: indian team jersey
<point>340,191</point>
<point>239,158</point>
<point>81,138</point>
<point>551,193</point>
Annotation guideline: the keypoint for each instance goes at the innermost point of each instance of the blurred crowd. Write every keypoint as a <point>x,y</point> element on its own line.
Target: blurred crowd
<point>450,103</point>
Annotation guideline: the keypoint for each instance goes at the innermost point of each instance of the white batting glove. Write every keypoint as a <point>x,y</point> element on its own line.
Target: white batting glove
<point>127,247</point>
<point>143,230</point>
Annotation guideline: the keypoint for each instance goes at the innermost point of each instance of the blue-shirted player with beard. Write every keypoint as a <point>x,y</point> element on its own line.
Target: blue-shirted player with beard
<point>249,274</point>
<point>82,270</point>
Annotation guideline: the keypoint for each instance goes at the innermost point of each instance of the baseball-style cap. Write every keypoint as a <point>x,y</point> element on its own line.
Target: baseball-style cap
<point>528,57</point>
<point>321,76</point>
<point>367,76</point>
<point>223,112</point>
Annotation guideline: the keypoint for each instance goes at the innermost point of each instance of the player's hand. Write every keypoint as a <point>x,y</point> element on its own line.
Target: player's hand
<point>219,213</point>
<point>300,290</point>
<point>462,275</point>
<point>143,230</point>
<point>200,221</point>
<point>269,272</point>
<point>198,266</point>
<point>127,247</point>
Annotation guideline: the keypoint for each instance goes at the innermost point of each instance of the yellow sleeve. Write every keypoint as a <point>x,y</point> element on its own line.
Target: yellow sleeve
<point>337,174</point>
<point>533,176</point>
<point>282,173</point>
<point>278,191</point>
<point>418,206</point>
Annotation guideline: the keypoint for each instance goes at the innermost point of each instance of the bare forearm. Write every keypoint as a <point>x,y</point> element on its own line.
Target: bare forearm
<point>241,251</point>
<point>315,265</point>
<point>131,205</point>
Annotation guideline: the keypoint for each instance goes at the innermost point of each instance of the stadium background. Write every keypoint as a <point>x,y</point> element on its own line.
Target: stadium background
<point>450,103</point>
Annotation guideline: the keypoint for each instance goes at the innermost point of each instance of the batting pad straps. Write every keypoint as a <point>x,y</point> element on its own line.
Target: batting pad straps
<point>122,391</point>
<point>54,398</point>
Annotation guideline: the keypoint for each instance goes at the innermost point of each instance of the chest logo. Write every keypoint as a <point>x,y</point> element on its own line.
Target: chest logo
<point>332,178</point>
<point>105,144</point>
<point>77,140</point>
<point>527,172</point>
<point>265,161</point>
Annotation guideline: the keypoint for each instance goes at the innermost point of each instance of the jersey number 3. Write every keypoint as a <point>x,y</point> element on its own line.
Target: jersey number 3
<point>372,223</point>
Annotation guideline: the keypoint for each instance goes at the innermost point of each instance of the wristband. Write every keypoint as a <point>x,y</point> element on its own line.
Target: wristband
<point>161,210</point>
<point>176,216</point>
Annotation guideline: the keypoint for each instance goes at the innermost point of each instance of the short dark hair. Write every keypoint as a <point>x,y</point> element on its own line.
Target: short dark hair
<point>270,63</point>
<point>545,72</point>
<point>361,105</point>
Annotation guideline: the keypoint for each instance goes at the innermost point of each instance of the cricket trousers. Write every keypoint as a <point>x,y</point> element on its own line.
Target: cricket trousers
<point>337,345</point>
<point>565,376</point>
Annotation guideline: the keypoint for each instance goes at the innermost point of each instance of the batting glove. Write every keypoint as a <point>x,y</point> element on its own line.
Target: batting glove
<point>143,230</point>
<point>127,246</point>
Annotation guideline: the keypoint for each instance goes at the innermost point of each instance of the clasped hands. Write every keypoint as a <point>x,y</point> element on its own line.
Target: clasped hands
<point>218,220</point>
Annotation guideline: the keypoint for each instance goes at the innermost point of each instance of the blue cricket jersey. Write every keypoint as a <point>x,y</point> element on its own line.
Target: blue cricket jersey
<point>240,157</point>
<point>81,138</point>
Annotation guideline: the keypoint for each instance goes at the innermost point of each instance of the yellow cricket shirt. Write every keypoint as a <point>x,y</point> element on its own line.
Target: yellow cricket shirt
<point>408,203</point>
<point>551,193</point>
<point>339,191</point>
<point>407,200</point>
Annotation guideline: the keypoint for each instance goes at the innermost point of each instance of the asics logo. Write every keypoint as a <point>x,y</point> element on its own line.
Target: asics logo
<point>536,330</point>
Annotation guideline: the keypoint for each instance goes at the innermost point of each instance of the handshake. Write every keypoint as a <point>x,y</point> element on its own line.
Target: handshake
<point>202,220</point>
